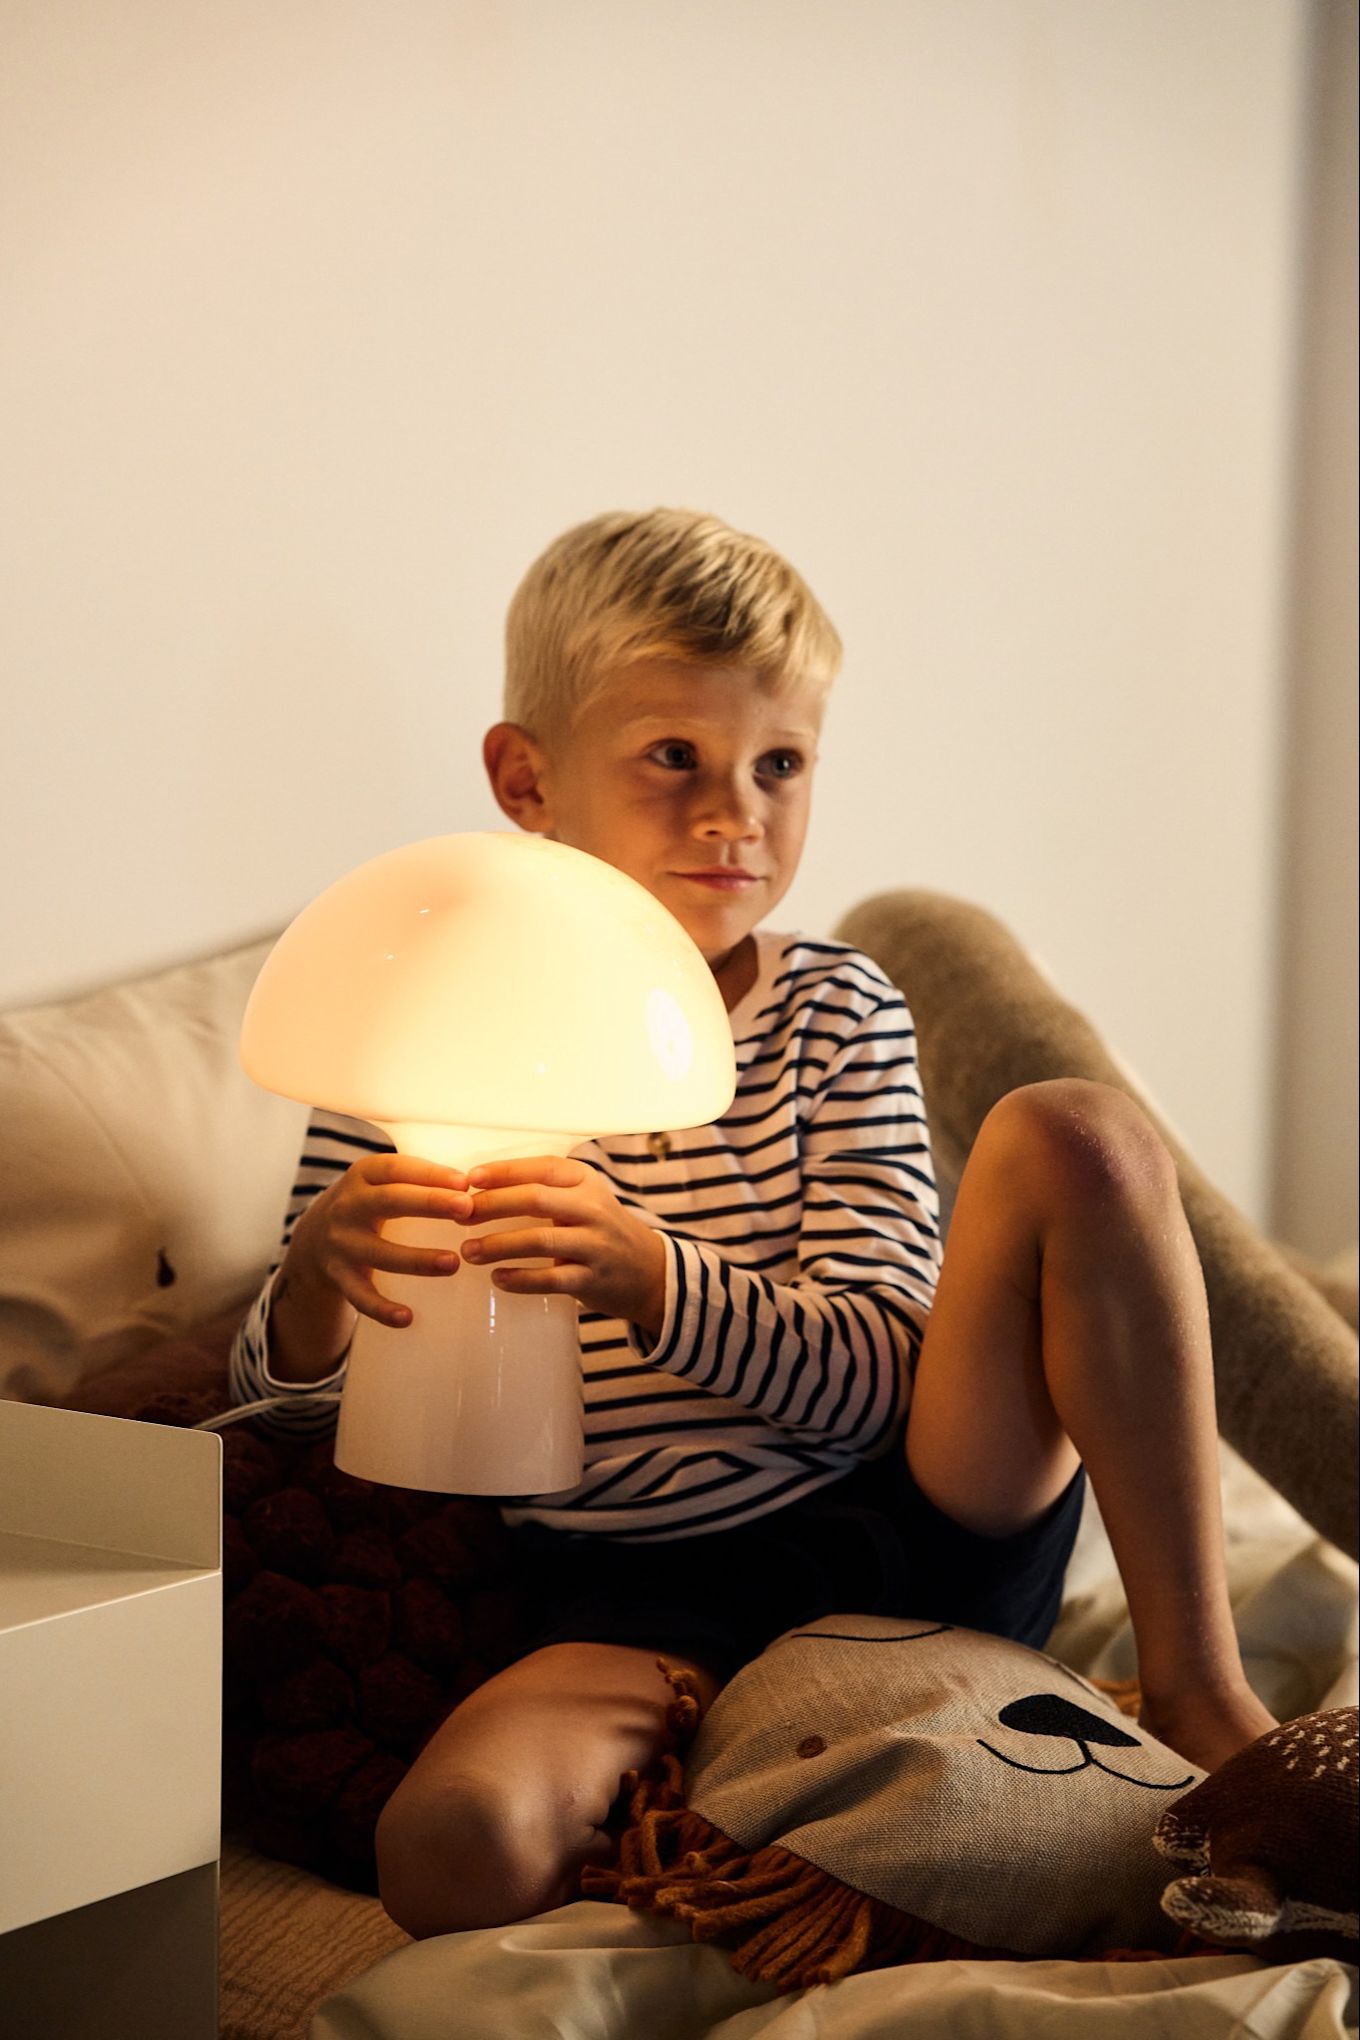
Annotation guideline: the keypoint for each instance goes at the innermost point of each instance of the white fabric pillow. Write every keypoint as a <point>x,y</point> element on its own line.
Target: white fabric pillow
<point>143,1177</point>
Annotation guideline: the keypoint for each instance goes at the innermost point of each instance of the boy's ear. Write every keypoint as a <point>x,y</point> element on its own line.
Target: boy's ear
<point>515,765</point>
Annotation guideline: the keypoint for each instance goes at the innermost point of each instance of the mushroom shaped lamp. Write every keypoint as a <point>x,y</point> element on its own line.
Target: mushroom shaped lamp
<point>479,997</point>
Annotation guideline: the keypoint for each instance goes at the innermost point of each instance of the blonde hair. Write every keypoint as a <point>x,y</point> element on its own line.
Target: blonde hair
<point>656,584</point>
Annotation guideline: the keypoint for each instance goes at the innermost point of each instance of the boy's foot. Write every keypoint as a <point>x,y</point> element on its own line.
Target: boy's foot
<point>1207,1728</point>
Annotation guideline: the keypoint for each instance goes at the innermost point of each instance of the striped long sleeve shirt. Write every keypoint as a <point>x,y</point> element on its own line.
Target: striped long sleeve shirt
<point>802,1248</point>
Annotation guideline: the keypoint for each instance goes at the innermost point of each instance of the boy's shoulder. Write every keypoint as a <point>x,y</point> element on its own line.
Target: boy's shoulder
<point>798,970</point>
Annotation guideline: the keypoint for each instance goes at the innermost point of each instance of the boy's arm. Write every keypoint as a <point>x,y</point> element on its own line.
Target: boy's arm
<point>828,1354</point>
<point>331,1144</point>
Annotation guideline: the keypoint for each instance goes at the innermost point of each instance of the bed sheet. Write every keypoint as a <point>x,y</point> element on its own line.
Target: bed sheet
<point>594,1971</point>
<point>597,1972</point>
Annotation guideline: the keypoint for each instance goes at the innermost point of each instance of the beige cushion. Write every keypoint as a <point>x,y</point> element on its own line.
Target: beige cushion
<point>871,1789</point>
<point>144,1177</point>
<point>961,1778</point>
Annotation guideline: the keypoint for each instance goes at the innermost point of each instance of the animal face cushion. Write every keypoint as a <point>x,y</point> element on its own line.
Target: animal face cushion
<point>1270,1844</point>
<point>870,1790</point>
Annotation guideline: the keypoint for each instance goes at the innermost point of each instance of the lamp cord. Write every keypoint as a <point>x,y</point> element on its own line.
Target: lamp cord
<point>267,1402</point>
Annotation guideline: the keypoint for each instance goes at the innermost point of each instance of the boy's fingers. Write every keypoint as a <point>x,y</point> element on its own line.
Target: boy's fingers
<point>542,1242</point>
<point>410,1200</point>
<point>411,1169</point>
<point>556,1170</point>
<point>532,1200</point>
<point>399,1260</point>
<point>369,1301</point>
<point>560,1281</point>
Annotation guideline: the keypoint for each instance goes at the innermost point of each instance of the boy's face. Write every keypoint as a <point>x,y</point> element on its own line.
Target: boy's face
<point>695,779</point>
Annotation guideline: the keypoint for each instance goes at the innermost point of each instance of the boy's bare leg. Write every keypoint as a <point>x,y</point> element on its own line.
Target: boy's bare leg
<point>1071,1320</point>
<point>507,1801</point>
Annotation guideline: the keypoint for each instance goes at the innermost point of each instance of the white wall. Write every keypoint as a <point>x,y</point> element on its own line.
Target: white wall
<point>322,318</point>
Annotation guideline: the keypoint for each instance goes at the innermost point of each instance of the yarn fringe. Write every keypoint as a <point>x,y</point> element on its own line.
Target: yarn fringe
<point>1126,1694</point>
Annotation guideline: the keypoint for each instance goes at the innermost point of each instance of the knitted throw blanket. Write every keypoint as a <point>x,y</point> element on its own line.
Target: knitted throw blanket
<point>356,1616</point>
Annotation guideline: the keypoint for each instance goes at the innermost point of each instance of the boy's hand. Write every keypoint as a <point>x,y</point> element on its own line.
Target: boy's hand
<point>338,1239</point>
<point>600,1253</point>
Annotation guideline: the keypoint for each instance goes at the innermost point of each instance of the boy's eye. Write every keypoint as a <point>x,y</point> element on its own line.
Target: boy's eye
<point>674,754</point>
<point>782,764</point>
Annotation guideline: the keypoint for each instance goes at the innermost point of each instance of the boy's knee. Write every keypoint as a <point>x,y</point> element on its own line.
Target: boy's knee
<point>1086,1143</point>
<point>475,1854</point>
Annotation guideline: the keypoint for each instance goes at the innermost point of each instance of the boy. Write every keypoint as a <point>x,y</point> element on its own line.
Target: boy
<point>759,1299</point>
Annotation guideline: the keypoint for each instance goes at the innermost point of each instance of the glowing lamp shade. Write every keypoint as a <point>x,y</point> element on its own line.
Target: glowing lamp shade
<point>479,997</point>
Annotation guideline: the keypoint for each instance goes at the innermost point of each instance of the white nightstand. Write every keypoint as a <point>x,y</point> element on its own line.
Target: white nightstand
<point>110,1727</point>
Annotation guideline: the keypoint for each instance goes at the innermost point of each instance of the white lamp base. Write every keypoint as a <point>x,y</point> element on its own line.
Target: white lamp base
<point>479,1395</point>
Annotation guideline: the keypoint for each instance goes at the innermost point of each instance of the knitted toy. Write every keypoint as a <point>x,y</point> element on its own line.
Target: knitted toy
<point>1271,1845</point>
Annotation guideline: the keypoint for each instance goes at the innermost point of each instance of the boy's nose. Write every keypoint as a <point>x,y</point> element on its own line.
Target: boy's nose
<point>731,814</point>
<point>731,825</point>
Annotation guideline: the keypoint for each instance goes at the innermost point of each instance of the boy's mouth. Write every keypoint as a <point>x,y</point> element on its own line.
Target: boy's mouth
<point>721,878</point>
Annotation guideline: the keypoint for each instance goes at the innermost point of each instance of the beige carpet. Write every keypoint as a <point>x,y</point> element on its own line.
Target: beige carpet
<point>287,1941</point>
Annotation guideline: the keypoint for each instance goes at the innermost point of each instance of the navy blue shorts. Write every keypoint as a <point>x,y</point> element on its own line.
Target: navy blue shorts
<point>868,1544</point>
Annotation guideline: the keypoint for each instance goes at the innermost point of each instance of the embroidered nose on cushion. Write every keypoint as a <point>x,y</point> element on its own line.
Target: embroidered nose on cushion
<point>905,1837</point>
<point>1050,1714</point>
